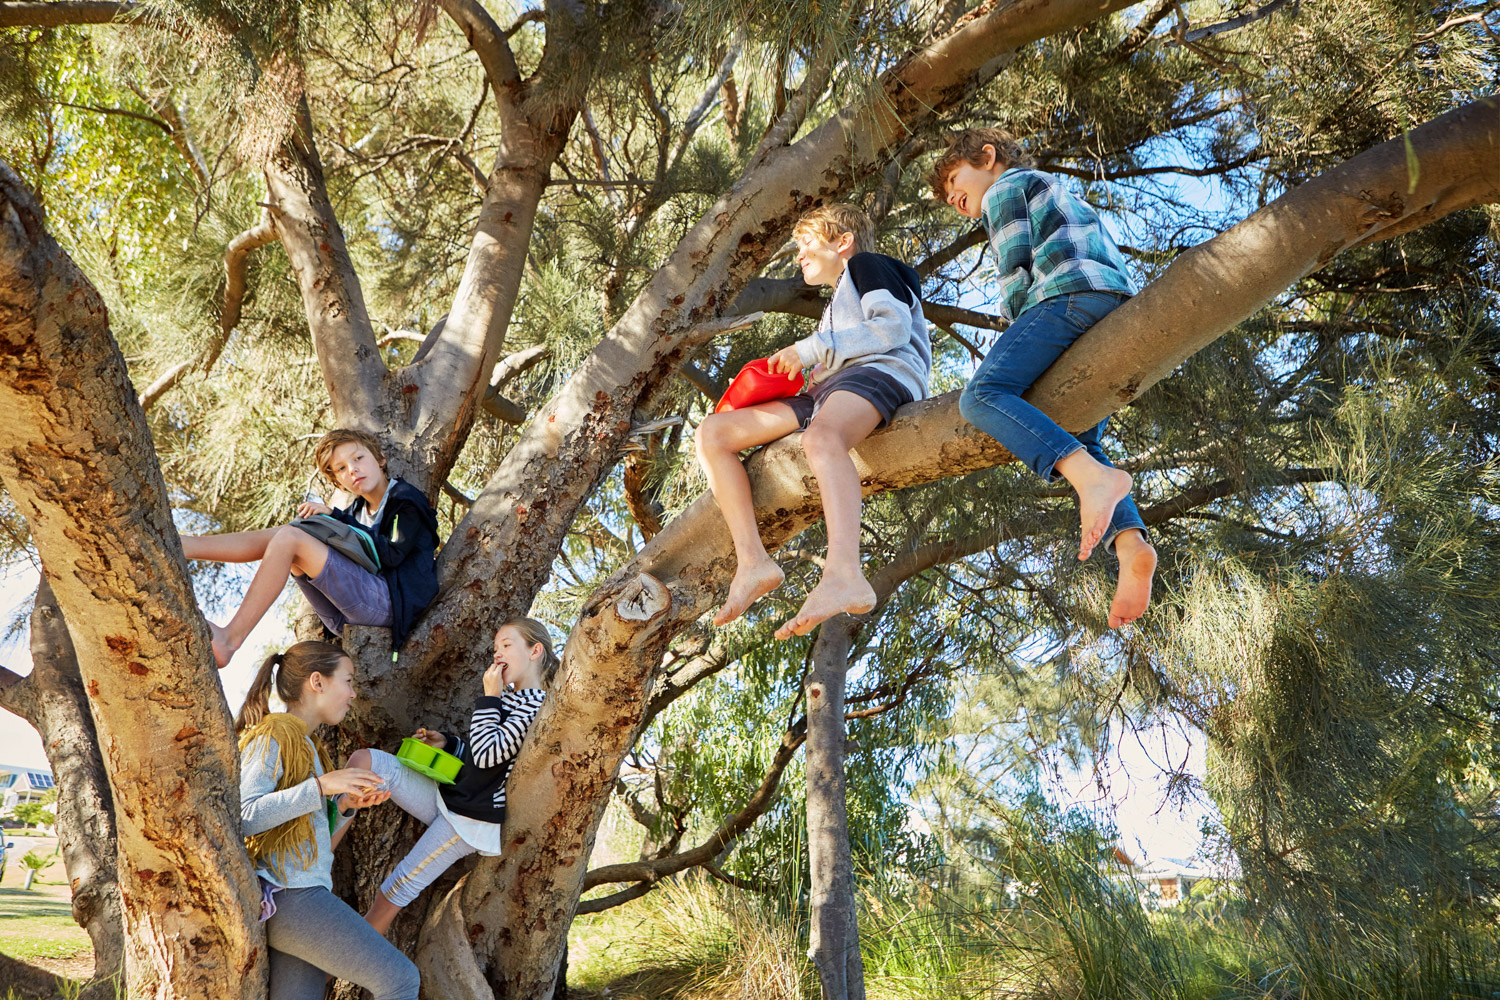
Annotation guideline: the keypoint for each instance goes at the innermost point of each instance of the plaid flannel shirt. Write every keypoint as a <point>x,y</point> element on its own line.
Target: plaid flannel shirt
<point>1048,242</point>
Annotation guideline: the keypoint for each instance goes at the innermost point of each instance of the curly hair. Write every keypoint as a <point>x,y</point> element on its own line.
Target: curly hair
<point>968,147</point>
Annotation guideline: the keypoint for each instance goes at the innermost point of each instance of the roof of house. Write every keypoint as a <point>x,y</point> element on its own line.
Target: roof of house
<point>39,780</point>
<point>1160,867</point>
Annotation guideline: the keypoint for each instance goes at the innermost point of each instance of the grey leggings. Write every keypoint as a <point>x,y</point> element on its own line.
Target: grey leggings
<point>314,934</point>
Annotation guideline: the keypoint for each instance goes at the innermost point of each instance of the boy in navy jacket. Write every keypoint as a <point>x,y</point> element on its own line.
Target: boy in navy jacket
<point>398,518</point>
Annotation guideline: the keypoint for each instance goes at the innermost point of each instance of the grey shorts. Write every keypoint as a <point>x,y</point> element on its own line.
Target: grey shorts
<point>347,594</point>
<point>880,390</point>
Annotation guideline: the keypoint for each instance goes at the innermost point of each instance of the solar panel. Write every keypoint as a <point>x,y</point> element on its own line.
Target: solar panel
<point>40,779</point>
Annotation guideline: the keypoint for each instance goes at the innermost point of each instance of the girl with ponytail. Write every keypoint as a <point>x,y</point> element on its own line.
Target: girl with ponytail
<point>294,810</point>
<point>465,817</point>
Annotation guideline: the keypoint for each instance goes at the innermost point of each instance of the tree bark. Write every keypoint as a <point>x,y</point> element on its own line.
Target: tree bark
<point>77,458</point>
<point>85,809</point>
<point>52,699</point>
<point>332,297</point>
<point>834,927</point>
<point>451,377</point>
<point>1200,296</point>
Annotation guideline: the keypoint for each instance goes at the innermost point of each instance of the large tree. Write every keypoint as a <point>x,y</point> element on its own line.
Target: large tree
<point>498,248</point>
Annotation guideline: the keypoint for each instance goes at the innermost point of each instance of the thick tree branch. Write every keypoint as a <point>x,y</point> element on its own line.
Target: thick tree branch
<point>88,484</point>
<point>58,13</point>
<point>489,42</point>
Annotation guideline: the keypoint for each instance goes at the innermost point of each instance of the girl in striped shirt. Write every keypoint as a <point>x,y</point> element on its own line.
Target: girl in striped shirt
<point>465,817</point>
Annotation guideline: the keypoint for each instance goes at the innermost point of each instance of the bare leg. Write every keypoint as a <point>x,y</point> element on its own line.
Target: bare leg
<point>843,421</point>
<point>236,546</point>
<point>1137,564</point>
<point>719,440</point>
<point>1100,487</point>
<point>382,913</point>
<point>289,550</point>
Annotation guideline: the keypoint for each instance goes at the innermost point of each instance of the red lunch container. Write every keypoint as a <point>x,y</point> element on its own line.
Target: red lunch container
<point>755,384</point>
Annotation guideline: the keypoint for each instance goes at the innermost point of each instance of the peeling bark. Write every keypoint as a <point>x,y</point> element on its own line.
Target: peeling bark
<point>77,459</point>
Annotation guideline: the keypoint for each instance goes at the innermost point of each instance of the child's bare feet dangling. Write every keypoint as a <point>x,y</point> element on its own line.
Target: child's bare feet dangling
<point>1137,565</point>
<point>1100,488</point>
<point>751,582</point>
<point>832,596</point>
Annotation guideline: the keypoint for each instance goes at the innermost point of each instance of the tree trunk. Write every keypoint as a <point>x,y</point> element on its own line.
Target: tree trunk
<point>77,459</point>
<point>1202,294</point>
<point>85,810</point>
<point>52,699</point>
<point>332,297</point>
<point>835,915</point>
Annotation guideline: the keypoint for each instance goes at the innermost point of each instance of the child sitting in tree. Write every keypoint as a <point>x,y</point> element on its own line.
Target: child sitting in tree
<point>465,816</point>
<point>397,516</point>
<point>1060,273</point>
<point>294,809</point>
<point>869,354</point>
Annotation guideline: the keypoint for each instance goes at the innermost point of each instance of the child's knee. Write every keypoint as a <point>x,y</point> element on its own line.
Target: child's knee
<point>289,536</point>
<point>820,442</point>
<point>969,403</point>
<point>711,436</point>
<point>361,758</point>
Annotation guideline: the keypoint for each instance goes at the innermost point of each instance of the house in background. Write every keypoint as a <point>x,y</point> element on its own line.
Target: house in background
<point>1160,882</point>
<point>19,785</point>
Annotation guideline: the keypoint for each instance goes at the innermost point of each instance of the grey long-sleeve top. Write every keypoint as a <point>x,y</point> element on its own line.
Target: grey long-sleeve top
<point>263,807</point>
<point>874,318</point>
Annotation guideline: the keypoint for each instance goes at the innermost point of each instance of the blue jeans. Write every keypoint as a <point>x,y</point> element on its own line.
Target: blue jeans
<point>992,400</point>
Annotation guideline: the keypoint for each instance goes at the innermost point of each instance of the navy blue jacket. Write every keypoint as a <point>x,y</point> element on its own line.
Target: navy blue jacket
<point>406,541</point>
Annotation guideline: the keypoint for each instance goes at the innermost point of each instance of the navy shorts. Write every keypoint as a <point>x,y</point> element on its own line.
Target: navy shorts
<point>880,390</point>
<point>347,594</point>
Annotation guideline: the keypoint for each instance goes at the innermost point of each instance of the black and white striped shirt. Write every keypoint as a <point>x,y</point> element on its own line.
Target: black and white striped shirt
<point>496,730</point>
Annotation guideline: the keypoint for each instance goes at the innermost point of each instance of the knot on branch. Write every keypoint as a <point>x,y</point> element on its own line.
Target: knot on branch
<point>643,599</point>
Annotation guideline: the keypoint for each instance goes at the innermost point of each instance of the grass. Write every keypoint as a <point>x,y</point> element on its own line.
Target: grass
<point>1070,936</point>
<point>38,922</point>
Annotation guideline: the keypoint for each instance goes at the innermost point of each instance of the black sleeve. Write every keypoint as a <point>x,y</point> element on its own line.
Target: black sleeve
<point>870,272</point>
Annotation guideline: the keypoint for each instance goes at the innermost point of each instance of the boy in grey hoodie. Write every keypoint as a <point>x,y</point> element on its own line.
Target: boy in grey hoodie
<point>869,354</point>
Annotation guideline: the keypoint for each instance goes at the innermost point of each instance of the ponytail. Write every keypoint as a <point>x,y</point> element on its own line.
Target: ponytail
<point>535,632</point>
<point>296,665</point>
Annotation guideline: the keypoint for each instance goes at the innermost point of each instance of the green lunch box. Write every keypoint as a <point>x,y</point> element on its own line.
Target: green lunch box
<point>439,765</point>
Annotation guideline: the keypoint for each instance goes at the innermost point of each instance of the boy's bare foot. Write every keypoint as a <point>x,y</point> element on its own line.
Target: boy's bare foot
<point>1133,593</point>
<point>832,596</point>
<point>751,582</point>
<point>223,647</point>
<point>1097,497</point>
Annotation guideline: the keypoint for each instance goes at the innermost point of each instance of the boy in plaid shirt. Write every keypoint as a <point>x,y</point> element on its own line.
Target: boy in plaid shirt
<point>1060,273</point>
